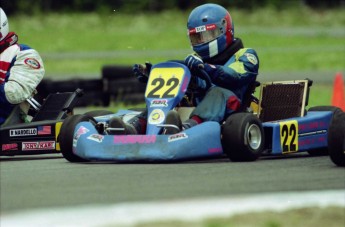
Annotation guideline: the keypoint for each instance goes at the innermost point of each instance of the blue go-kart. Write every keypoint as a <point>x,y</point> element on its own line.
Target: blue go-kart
<point>262,126</point>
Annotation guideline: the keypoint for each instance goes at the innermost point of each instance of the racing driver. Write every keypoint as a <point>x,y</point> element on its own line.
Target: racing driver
<point>230,66</point>
<point>21,70</point>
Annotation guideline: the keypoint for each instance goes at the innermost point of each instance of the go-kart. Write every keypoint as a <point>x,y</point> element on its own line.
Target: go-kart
<point>259,128</point>
<point>39,135</point>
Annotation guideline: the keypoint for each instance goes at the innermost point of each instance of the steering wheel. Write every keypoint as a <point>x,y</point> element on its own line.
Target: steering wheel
<point>202,74</point>
<point>199,72</point>
<point>193,92</point>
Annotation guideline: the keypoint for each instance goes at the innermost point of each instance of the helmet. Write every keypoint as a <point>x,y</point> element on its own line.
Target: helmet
<point>4,27</point>
<point>210,30</point>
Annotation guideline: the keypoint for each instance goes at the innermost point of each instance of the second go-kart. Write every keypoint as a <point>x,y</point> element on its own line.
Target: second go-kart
<point>275,124</point>
<point>38,135</point>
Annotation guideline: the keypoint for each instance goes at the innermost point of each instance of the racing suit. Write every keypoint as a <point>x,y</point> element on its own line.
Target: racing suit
<point>21,70</point>
<point>231,72</point>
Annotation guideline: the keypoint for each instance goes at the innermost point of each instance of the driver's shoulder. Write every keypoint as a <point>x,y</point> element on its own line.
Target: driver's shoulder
<point>244,51</point>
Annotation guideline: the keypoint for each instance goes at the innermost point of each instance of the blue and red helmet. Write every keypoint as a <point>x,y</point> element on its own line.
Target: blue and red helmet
<point>210,30</point>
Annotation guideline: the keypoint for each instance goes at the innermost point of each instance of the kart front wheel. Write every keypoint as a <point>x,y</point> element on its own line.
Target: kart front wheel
<point>336,139</point>
<point>66,136</point>
<point>336,111</point>
<point>243,137</point>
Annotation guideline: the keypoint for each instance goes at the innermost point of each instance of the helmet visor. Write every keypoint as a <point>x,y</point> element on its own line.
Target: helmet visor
<point>204,34</point>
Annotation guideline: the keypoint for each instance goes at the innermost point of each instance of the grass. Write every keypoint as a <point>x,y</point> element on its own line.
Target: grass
<point>320,95</point>
<point>294,39</point>
<point>290,40</point>
<point>306,217</point>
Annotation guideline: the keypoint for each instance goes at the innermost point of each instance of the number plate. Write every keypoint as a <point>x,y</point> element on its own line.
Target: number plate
<point>164,82</point>
<point>289,136</point>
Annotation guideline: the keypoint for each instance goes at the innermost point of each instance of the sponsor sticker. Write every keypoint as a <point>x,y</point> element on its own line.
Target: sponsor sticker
<point>32,63</point>
<point>9,147</point>
<point>4,23</point>
<point>251,58</point>
<point>159,103</point>
<point>82,130</point>
<point>179,136</point>
<point>96,137</point>
<point>23,132</point>
<point>132,139</point>
<point>44,130</point>
<point>39,145</point>
<point>202,28</point>
<point>157,116</point>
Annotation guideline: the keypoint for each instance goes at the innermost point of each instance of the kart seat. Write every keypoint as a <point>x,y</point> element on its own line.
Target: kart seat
<point>15,117</point>
<point>57,106</point>
<point>249,97</point>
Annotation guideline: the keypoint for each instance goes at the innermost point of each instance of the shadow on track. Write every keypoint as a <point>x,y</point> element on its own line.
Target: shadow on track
<point>28,158</point>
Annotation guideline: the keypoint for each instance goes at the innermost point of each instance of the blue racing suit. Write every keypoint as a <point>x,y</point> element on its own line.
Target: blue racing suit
<point>230,74</point>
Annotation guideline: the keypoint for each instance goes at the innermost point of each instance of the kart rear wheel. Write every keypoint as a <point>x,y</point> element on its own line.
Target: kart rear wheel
<point>336,111</point>
<point>66,136</point>
<point>336,139</point>
<point>243,137</point>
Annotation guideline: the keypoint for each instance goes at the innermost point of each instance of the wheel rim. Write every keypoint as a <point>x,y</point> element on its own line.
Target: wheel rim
<point>254,137</point>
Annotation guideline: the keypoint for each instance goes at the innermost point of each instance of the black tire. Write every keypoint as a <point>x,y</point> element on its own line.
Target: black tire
<point>117,72</point>
<point>336,111</point>
<point>97,113</point>
<point>243,137</point>
<point>336,139</point>
<point>119,81</point>
<point>66,136</point>
<point>134,98</point>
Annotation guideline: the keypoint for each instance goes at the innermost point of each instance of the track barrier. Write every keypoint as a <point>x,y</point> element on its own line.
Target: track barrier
<point>116,84</point>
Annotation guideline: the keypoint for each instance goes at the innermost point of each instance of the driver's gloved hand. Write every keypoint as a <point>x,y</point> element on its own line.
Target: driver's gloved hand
<point>142,71</point>
<point>193,62</point>
<point>213,70</point>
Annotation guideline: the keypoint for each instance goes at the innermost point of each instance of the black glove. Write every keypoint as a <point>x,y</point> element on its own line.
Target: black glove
<point>142,71</point>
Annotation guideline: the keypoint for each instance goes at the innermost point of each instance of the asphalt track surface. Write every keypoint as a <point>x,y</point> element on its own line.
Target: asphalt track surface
<point>50,181</point>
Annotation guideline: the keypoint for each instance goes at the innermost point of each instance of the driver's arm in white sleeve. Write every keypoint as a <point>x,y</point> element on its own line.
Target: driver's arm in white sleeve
<point>26,73</point>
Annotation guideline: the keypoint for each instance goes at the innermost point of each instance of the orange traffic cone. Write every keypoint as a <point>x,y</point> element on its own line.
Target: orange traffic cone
<point>338,98</point>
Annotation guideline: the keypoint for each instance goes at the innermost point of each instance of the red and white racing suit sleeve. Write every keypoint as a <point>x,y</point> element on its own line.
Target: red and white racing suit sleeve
<point>26,73</point>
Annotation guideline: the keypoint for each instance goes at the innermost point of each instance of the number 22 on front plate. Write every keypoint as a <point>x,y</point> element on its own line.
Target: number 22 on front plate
<point>164,82</point>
